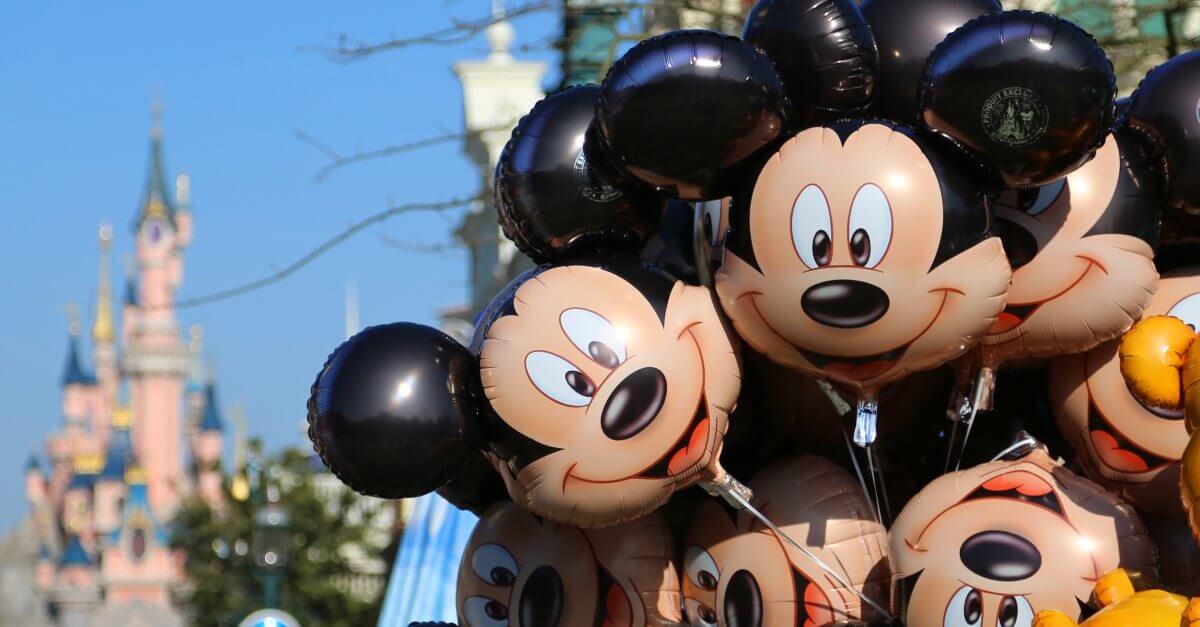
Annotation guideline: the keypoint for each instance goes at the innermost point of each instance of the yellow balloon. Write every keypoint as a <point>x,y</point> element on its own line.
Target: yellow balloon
<point>1125,608</point>
<point>1152,354</point>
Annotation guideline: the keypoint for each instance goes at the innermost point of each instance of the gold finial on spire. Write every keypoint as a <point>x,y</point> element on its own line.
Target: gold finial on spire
<point>156,117</point>
<point>103,331</point>
<point>72,319</point>
<point>183,190</point>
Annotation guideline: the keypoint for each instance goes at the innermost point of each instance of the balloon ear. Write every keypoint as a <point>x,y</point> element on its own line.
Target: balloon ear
<point>684,113</point>
<point>1165,111</point>
<point>1030,95</point>
<point>394,412</point>
<point>552,196</point>
<point>824,52</point>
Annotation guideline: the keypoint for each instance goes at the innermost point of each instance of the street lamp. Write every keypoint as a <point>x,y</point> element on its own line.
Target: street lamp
<point>271,545</point>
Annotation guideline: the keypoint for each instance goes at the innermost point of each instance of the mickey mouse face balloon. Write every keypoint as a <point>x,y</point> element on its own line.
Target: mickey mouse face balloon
<point>740,573</point>
<point>518,569</point>
<point>993,545</point>
<point>859,254</point>
<point>1082,256</point>
<point>611,384</point>
<point>1129,447</point>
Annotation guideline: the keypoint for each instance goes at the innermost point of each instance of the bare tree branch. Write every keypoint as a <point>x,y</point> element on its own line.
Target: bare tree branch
<point>315,253</point>
<point>338,161</point>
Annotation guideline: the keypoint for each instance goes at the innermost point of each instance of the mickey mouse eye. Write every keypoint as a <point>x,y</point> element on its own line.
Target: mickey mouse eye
<point>701,569</point>
<point>602,342</point>
<point>1188,310</point>
<point>485,612</point>
<point>710,213</point>
<point>559,379</point>
<point>811,227</point>
<point>965,609</point>
<point>494,565</point>
<point>870,226</point>
<point>1015,612</point>
<point>1045,196</point>
<point>699,614</point>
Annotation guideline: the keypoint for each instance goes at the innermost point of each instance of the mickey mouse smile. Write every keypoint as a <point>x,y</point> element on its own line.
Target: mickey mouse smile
<point>1115,450</point>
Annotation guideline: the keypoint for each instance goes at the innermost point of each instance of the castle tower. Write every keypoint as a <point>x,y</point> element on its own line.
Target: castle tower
<point>104,335</point>
<point>206,450</point>
<point>76,591</point>
<point>137,564</point>
<point>155,359</point>
<point>110,485</point>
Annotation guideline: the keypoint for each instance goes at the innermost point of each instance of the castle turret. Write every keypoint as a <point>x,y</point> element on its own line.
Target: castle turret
<point>76,380</point>
<point>104,336</point>
<point>76,591</point>
<point>155,359</point>
<point>110,485</point>
<point>207,442</point>
<point>35,482</point>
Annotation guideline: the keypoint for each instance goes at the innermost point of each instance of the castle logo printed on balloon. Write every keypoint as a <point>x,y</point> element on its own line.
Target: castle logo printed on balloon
<point>1015,116</point>
<point>995,544</point>
<point>521,570</point>
<point>612,384</point>
<point>861,274</point>
<point>1129,447</point>
<point>736,572</point>
<point>1082,257</point>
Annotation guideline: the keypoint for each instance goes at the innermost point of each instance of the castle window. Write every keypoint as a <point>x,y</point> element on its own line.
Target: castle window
<point>138,544</point>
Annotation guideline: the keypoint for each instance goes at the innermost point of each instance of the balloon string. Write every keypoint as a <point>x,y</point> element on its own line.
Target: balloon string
<point>982,384</point>
<point>878,468</point>
<point>738,500</point>
<point>1028,440</point>
<point>861,481</point>
<point>950,445</point>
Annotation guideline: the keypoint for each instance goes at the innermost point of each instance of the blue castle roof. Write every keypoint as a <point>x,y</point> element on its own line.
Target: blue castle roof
<point>33,463</point>
<point>82,480</point>
<point>119,455</point>
<point>75,555</point>
<point>73,372</point>
<point>211,420</point>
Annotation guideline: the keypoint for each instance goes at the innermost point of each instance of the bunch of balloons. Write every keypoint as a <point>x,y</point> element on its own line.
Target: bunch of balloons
<point>778,258</point>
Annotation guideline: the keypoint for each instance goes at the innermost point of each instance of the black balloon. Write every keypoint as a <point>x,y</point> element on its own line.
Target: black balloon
<point>391,412</point>
<point>683,112</point>
<point>824,52</point>
<point>906,33</point>
<point>550,195</point>
<point>475,487</point>
<point>673,246</point>
<point>1165,109</point>
<point>1029,94</point>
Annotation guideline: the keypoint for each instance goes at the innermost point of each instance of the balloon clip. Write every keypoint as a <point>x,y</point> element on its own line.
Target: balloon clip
<point>866,420</point>
<point>985,388</point>
<point>732,491</point>
<point>839,404</point>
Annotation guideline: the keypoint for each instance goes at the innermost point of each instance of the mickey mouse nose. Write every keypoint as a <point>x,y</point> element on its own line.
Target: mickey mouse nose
<point>743,601</point>
<point>634,404</point>
<point>1019,244</point>
<point>844,304</point>
<point>541,601</point>
<point>1000,556</point>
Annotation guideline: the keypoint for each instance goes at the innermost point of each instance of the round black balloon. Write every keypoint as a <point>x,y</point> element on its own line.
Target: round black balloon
<point>684,112</point>
<point>392,413</point>
<point>1165,109</point>
<point>475,487</point>
<point>906,34</point>
<point>1029,94</point>
<point>824,52</point>
<point>550,195</point>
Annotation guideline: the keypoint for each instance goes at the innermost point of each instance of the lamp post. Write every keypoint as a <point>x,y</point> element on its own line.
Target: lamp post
<point>271,545</point>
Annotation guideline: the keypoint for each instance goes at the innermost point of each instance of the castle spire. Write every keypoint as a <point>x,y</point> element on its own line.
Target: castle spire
<point>103,331</point>
<point>156,201</point>
<point>73,372</point>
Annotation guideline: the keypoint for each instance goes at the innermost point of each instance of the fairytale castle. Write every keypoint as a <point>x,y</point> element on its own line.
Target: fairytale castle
<point>114,473</point>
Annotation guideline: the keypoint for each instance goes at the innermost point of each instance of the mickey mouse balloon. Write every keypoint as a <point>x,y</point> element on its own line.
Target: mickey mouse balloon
<point>521,569</point>
<point>997,543</point>
<point>1165,109</point>
<point>859,254</point>
<point>1030,94</point>
<point>739,573</point>
<point>610,384</point>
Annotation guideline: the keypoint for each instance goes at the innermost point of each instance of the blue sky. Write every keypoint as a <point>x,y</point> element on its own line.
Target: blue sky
<point>234,82</point>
